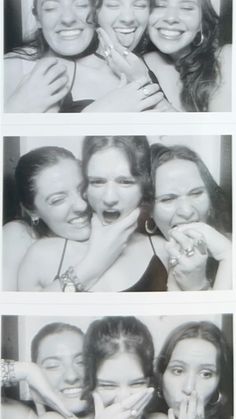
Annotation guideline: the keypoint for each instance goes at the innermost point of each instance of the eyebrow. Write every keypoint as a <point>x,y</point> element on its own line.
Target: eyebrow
<point>173,195</point>
<point>180,362</point>
<point>57,358</point>
<point>100,381</point>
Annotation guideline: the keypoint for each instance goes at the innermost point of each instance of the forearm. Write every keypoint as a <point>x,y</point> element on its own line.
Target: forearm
<point>223,279</point>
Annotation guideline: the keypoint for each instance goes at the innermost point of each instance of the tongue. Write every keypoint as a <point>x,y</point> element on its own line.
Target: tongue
<point>126,39</point>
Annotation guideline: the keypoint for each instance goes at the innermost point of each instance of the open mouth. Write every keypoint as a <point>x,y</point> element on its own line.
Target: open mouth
<point>110,217</point>
<point>171,34</point>
<point>69,34</point>
<point>72,392</point>
<point>126,36</point>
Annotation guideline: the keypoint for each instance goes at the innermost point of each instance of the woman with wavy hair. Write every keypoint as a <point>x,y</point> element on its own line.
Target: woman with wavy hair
<point>193,71</point>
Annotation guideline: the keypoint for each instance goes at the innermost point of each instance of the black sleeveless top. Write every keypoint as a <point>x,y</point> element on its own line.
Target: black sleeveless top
<point>70,106</point>
<point>153,279</point>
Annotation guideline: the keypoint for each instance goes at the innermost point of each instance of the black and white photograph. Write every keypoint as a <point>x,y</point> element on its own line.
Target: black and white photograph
<point>117,213</point>
<point>73,56</point>
<point>124,367</point>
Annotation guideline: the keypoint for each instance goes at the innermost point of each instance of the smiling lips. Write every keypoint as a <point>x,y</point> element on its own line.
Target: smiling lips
<point>80,222</point>
<point>69,34</point>
<point>71,392</point>
<point>170,34</point>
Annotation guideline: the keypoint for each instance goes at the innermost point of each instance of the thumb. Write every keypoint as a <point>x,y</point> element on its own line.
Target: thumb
<point>98,405</point>
<point>171,414</point>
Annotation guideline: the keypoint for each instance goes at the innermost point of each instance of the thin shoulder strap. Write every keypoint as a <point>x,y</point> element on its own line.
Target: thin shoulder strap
<point>62,259</point>
<point>74,75</point>
<point>152,245</point>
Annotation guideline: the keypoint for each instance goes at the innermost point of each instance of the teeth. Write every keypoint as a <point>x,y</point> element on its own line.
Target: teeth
<point>71,391</point>
<point>170,33</point>
<point>79,220</point>
<point>125,31</point>
<point>70,33</point>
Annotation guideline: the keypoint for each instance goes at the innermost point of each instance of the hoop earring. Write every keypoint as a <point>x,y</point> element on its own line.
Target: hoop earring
<point>219,399</point>
<point>35,220</point>
<point>150,229</point>
<point>200,42</point>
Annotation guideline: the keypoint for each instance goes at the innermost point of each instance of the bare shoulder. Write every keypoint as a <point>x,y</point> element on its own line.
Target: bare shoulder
<point>17,230</point>
<point>225,53</point>
<point>46,246</point>
<point>14,408</point>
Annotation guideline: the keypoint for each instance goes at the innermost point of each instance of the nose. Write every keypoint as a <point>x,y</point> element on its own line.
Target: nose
<point>78,203</point>
<point>70,375</point>
<point>110,197</point>
<point>185,209</point>
<point>127,14</point>
<point>171,15</point>
<point>68,16</point>
<point>189,384</point>
<point>122,394</point>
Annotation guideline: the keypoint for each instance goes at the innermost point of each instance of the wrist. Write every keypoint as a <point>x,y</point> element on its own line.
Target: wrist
<point>8,373</point>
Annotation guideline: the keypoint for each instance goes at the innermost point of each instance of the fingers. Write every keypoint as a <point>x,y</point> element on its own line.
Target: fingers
<point>185,242</point>
<point>171,414</point>
<point>151,101</point>
<point>192,406</point>
<point>58,85</point>
<point>137,398</point>
<point>44,65</point>
<point>55,72</point>
<point>57,97</point>
<point>98,405</point>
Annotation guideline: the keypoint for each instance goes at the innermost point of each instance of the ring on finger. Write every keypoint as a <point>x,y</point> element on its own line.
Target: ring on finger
<point>125,52</point>
<point>146,90</point>
<point>201,246</point>
<point>133,413</point>
<point>107,53</point>
<point>189,252</point>
<point>173,261</point>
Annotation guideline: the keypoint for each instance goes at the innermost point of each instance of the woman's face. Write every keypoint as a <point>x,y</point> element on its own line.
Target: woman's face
<point>112,190</point>
<point>192,366</point>
<point>124,20</point>
<point>174,24</point>
<point>58,200</point>
<point>60,356</point>
<point>181,196</point>
<point>65,25</point>
<point>118,377</point>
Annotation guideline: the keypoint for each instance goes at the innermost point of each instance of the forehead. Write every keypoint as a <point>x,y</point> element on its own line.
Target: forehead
<point>120,367</point>
<point>178,174</point>
<point>195,351</point>
<point>62,344</point>
<point>108,161</point>
<point>61,174</point>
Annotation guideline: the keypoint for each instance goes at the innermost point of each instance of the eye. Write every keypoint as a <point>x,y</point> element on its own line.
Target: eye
<point>57,200</point>
<point>81,3</point>
<point>197,192</point>
<point>52,365</point>
<point>50,5</point>
<point>206,374</point>
<point>188,6</point>
<point>97,182</point>
<point>141,4</point>
<point>138,384</point>
<point>107,386</point>
<point>160,4</point>
<point>112,4</point>
<point>166,200</point>
<point>126,182</point>
<point>177,370</point>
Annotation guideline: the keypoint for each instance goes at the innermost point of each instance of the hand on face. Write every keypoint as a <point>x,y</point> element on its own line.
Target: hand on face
<point>52,78</point>
<point>129,408</point>
<point>189,409</point>
<point>120,59</point>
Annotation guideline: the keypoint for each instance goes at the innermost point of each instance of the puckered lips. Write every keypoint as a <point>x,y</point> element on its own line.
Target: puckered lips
<point>110,216</point>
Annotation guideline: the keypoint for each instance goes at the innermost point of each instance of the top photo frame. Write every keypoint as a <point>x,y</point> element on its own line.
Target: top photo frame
<point>82,56</point>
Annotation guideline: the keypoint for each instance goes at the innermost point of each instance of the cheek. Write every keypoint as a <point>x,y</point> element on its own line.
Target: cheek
<point>94,196</point>
<point>171,389</point>
<point>207,389</point>
<point>107,396</point>
<point>53,377</point>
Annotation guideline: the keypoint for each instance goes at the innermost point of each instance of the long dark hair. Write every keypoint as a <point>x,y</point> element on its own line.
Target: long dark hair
<point>111,335</point>
<point>219,216</point>
<point>218,407</point>
<point>199,67</point>
<point>28,167</point>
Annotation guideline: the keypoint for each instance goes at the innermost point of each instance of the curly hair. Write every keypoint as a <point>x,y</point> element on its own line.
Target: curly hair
<point>217,407</point>
<point>199,68</point>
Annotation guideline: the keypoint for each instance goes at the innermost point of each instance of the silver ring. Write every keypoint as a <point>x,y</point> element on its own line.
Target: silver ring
<point>133,413</point>
<point>189,252</point>
<point>107,53</point>
<point>125,52</point>
<point>146,91</point>
<point>173,261</point>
